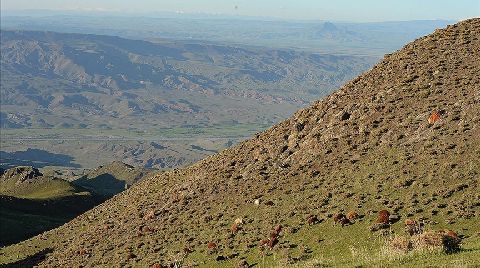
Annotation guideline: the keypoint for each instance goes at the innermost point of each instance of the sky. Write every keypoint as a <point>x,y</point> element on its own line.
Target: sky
<point>334,10</point>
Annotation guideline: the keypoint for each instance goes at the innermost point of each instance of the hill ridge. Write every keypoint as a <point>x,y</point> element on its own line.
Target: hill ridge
<point>366,147</point>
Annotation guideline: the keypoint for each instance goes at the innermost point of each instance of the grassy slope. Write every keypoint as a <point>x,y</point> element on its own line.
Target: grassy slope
<point>385,155</point>
<point>334,246</point>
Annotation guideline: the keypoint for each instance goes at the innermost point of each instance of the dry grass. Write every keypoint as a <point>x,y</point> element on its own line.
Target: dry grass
<point>430,241</point>
<point>435,240</point>
<point>399,244</point>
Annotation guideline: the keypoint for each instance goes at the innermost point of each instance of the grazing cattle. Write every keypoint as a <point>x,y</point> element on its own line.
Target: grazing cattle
<point>272,242</point>
<point>273,234</point>
<point>434,117</point>
<point>352,215</point>
<point>276,231</point>
<point>340,218</point>
<point>238,221</point>
<point>344,221</point>
<point>412,227</point>
<point>337,217</point>
<point>383,217</point>
<point>234,228</point>
<point>157,265</point>
<point>263,242</point>
<point>312,219</point>
<point>211,245</point>
<point>450,233</point>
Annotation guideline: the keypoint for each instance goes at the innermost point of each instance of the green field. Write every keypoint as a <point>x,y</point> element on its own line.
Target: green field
<point>177,133</point>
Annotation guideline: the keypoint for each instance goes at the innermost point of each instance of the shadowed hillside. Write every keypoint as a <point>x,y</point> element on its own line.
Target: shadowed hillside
<point>34,201</point>
<point>399,142</point>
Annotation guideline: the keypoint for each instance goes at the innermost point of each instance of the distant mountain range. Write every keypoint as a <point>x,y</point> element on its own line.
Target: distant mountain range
<point>163,103</point>
<point>376,38</point>
<point>91,81</point>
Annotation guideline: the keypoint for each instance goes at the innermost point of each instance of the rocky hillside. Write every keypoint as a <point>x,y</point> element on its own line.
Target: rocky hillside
<point>29,182</point>
<point>403,137</point>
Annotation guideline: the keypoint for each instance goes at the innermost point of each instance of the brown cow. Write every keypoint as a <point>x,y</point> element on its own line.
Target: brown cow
<point>340,218</point>
<point>383,217</point>
<point>272,242</point>
<point>312,219</point>
<point>234,228</point>
<point>211,245</point>
<point>434,117</point>
<point>352,215</point>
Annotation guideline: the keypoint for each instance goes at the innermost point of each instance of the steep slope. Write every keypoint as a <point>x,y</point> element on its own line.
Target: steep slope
<point>369,146</point>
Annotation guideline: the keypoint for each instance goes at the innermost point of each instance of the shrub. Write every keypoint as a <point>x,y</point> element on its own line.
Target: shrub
<point>432,240</point>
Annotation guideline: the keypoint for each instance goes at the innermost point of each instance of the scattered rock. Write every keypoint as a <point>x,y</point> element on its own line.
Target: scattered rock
<point>220,258</point>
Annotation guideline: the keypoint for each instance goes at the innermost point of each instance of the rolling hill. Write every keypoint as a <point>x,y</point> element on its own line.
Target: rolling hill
<point>34,201</point>
<point>403,137</point>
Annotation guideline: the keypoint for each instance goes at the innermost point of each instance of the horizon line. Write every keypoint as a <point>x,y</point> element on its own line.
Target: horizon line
<point>178,14</point>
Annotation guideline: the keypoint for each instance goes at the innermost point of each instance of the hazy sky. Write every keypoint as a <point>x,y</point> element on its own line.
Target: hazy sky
<point>352,10</point>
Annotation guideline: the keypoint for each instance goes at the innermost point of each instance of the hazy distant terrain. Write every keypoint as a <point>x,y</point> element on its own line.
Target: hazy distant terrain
<point>339,37</point>
<point>161,104</point>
